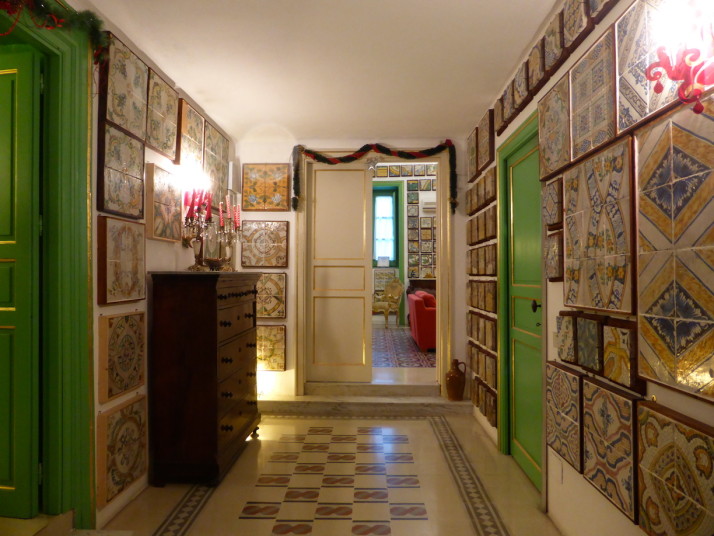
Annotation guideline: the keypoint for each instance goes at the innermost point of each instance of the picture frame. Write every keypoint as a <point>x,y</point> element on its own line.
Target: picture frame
<point>425,234</point>
<point>552,204</point>
<point>577,24</point>
<point>266,187</point>
<point>485,141</point>
<point>554,129</point>
<point>521,95</point>
<point>588,348</point>
<point>426,260</point>
<point>121,272</point>
<point>413,259</point>
<point>413,234</point>
<point>412,185</point>
<point>426,246</point>
<point>564,430</point>
<point>382,172</point>
<point>553,256</point>
<point>620,345</point>
<point>419,170</point>
<point>162,116</point>
<point>424,185</point>
<point>412,210</point>
<point>271,347</point>
<point>122,354</point>
<point>536,67</point>
<point>190,139</point>
<point>554,53</point>
<point>271,295</point>
<point>265,244</point>
<point>120,180</point>
<point>216,161</point>
<point>163,193</point>
<point>413,246</point>
<point>412,198</point>
<point>431,169</point>
<point>412,223</point>
<point>425,222</point>
<point>407,170</point>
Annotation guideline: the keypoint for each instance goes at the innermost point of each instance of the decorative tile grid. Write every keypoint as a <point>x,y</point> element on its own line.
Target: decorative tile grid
<point>121,184</point>
<point>471,165</point>
<point>264,244</point>
<point>553,50</point>
<point>563,431</point>
<point>536,67</point>
<point>121,274</point>
<point>191,127</point>
<point>597,201</point>
<point>499,124</point>
<point>483,295</point>
<point>575,23</point>
<point>554,128</point>
<point>675,457</point>
<point>266,187</point>
<point>483,192</point>
<point>122,354</point>
<point>520,86</point>
<point>599,8</point>
<point>592,82</point>
<point>162,119</point>
<point>619,355</point>
<point>636,98</point>
<point>485,141</point>
<point>215,162</point>
<point>164,195</point>
<point>271,347</point>
<point>271,295</point>
<point>483,330</point>
<point>589,342</point>
<point>566,325</point>
<point>552,204</point>
<point>121,448</point>
<point>124,82</point>
<point>382,276</point>
<point>553,256</point>
<point>676,250</point>
<point>483,260</point>
<point>483,226</point>
<point>508,106</point>
<point>609,444</point>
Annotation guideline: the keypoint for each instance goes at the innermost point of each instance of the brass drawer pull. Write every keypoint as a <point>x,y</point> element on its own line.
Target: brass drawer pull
<point>249,315</point>
<point>225,323</point>
<point>251,345</point>
<point>226,428</point>
<point>227,394</point>
<point>227,360</point>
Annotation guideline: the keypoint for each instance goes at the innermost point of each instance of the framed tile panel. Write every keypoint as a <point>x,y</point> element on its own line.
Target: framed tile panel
<point>553,256</point>
<point>271,347</point>
<point>122,354</point>
<point>588,350</point>
<point>163,194</point>
<point>264,244</point>
<point>619,353</point>
<point>271,297</point>
<point>520,87</point>
<point>576,24</point>
<point>215,163</point>
<point>597,9</point>
<point>485,141</point>
<point>266,187</point>
<point>121,273</point>
<point>563,430</point>
<point>191,132</point>
<point>567,336</point>
<point>554,128</point>
<point>471,165</point>
<point>120,181</point>
<point>553,50</point>
<point>162,116</point>
<point>552,204</point>
<point>536,67</point>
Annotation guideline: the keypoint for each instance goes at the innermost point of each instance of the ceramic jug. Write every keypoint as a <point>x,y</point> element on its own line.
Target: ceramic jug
<point>456,380</point>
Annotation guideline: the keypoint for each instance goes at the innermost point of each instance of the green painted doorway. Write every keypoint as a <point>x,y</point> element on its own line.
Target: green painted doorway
<point>520,300</point>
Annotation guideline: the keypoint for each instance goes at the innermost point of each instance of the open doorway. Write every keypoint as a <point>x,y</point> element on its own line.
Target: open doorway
<point>404,274</point>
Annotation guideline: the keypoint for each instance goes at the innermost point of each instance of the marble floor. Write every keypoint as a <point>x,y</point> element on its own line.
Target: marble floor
<point>437,475</point>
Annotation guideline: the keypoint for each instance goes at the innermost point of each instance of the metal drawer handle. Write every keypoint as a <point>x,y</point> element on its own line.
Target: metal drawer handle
<point>249,315</point>
<point>227,394</point>
<point>225,323</point>
<point>226,428</point>
<point>251,345</point>
<point>226,360</point>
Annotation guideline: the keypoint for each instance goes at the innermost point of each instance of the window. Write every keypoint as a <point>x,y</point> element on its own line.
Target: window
<point>386,243</point>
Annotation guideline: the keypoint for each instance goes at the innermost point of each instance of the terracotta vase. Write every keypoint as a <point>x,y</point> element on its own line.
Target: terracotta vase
<point>456,380</point>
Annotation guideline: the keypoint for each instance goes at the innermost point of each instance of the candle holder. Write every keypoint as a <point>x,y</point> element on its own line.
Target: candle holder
<point>213,243</point>
<point>219,248</point>
<point>192,237</point>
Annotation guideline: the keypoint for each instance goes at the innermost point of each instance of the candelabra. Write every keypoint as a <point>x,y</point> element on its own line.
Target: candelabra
<point>212,244</point>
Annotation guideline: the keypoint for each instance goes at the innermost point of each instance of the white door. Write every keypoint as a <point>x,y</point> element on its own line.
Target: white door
<point>339,260</point>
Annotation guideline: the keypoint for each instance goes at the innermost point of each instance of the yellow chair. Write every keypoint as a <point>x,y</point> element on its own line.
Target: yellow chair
<point>389,300</point>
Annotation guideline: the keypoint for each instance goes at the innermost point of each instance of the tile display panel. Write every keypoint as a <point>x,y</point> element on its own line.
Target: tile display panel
<point>485,141</point>
<point>471,163</point>
<point>609,444</point>
<point>121,275</point>
<point>592,103</point>
<point>599,8</point>
<point>589,342</point>
<point>271,347</point>
<point>554,128</point>
<point>215,162</point>
<point>552,204</point>
<point>483,260</point>
<point>264,243</point>
<point>675,477</point>
<point>520,86</point>
<point>121,448</point>
<point>566,339</point>
<point>271,295</point>
<point>266,187</point>
<point>536,67</point>
<point>190,141</point>
<point>122,354</point>
<point>164,197</point>
<point>484,295</point>
<point>598,254</point>
<point>619,354</point>
<point>676,250</point>
<point>563,430</point>
<point>575,23</point>
<point>162,119</point>
<point>553,50</point>
<point>636,49</point>
<point>483,330</point>
<point>120,185</point>
<point>553,256</point>
<point>498,123</point>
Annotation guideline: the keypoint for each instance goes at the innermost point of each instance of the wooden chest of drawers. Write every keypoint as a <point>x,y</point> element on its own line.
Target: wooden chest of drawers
<point>202,374</point>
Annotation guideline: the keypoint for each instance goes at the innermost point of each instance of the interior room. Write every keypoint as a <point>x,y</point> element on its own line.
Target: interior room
<point>349,267</point>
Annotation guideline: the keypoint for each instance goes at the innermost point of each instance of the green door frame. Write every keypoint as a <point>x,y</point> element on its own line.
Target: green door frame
<point>401,244</point>
<point>67,372</point>
<point>515,142</point>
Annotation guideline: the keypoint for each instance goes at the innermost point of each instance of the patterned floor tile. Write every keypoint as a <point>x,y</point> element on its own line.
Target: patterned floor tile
<point>304,495</point>
<point>376,495</point>
<point>331,527</point>
<point>282,528</point>
<point>260,510</point>
<point>376,528</point>
<point>365,511</point>
<point>295,511</point>
<point>334,510</point>
<point>410,511</point>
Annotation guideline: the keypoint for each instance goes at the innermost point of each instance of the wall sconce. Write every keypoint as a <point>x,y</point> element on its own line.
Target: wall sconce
<point>684,33</point>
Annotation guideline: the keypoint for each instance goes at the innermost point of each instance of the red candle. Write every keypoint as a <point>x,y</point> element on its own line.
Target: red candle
<point>220,213</point>
<point>236,217</point>
<point>209,199</point>
<point>191,204</point>
<point>228,206</point>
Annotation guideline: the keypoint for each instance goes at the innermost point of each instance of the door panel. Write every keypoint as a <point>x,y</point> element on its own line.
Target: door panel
<point>525,325</point>
<point>19,281</point>
<point>339,256</point>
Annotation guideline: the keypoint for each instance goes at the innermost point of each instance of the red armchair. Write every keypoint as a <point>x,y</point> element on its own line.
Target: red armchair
<point>422,319</point>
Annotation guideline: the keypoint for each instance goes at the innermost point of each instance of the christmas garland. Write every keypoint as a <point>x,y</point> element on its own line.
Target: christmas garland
<point>50,15</point>
<point>377,148</point>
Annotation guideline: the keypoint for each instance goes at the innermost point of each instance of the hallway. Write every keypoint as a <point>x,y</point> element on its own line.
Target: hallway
<point>328,476</point>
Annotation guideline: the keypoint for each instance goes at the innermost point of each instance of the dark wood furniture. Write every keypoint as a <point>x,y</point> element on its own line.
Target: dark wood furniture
<point>427,285</point>
<point>202,374</point>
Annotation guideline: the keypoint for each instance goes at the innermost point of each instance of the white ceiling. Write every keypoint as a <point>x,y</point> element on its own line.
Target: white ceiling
<point>335,69</point>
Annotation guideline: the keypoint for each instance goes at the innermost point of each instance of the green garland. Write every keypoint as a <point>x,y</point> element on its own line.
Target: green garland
<point>51,15</point>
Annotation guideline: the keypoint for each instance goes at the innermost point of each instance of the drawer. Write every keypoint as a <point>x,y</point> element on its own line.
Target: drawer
<point>236,354</point>
<point>229,392</point>
<point>228,294</point>
<point>234,320</point>
<point>234,422</point>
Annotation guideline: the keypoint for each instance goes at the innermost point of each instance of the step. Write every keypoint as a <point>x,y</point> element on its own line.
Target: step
<point>363,406</point>
<point>41,525</point>
<point>370,389</point>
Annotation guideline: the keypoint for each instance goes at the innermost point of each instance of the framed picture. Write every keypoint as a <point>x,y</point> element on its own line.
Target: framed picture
<point>553,256</point>
<point>122,354</point>
<point>123,83</point>
<point>520,87</point>
<point>413,246</point>
<point>412,223</point>
<point>395,170</point>
<point>619,354</point>
<point>382,276</point>
<point>164,199</point>
<point>412,210</point>
<point>382,171</point>
<point>191,128</point>
<point>427,260</point>
<point>499,124</point>
<point>425,185</point>
<point>554,128</point>
<point>471,162</point>
<point>413,259</point>
<point>271,295</point>
<point>536,67</point>
<point>412,185</point>
<point>576,24</point>
<point>120,184</point>
<point>485,141</point>
<point>553,50</point>
<point>433,185</point>
<point>426,246</point>
<point>564,433</point>
<point>162,116</point>
<point>413,234</point>
<point>215,162</point>
<point>121,273</point>
<point>552,204</point>
<point>407,170</point>
<point>413,198</point>
<point>266,187</point>
<point>588,347</point>
<point>431,169</point>
<point>264,244</point>
<point>425,222</point>
<point>419,170</point>
<point>121,448</point>
<point>425,234</point>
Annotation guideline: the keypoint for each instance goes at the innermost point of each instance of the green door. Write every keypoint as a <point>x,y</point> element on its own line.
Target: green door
<point>524,299</point>
<point>19,281</point>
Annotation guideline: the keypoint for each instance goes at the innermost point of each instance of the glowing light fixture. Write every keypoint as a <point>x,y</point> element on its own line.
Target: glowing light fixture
<point>684,33</point>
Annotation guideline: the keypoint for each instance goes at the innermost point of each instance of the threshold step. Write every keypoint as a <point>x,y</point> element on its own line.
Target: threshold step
<point>371,389</point>
<point>363,406</point>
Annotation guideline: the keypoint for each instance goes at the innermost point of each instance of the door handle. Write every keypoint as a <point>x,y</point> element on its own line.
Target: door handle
<point>535,305</point>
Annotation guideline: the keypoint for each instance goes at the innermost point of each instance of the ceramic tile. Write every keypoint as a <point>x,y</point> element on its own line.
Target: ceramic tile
<point>271,347</point>
<point>587,344</point>
<point>520,85</point>
<point>655,441</point>
<point>566,340</point>
<point>608,283</point>
<point>575,21</point>
<point>498,114</point>
<point>656,344</point>
<point>485,140</point>
<point>598,8</point>
<point>574,190</point>
<point>617,353</point>
<point>270,299</point>
<point>553,42</point>
<point>471,165</point>
<point>694,460</point>
<point>162,116</point>
<point>553,256</point>
<point>658,505</point>
<point>572,276</point>
<point>264,243</point>
<point>655,219</point>
<point>126,89</point>
<point>694,358</point>
<point>563,391</point>
<point>507,99</point>
<point>536,66</point>
<point>122,354</point>
<point>266,187</point>
<point>694,284</point>
<point>563,436</point>
<point>554,128</point>
<point>593,83</point>
<point>121,273</point>
<point>552,202</point>
<point>574,231</point>
<point>609,416</point>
